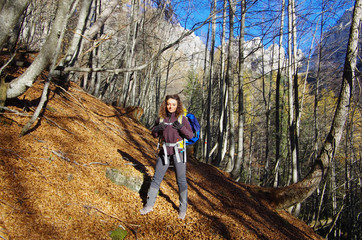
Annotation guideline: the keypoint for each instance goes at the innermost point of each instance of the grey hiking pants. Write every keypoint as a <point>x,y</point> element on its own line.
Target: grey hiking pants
<point>160,170</point>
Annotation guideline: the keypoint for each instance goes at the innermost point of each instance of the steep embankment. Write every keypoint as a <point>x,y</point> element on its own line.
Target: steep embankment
<point>54,186</point>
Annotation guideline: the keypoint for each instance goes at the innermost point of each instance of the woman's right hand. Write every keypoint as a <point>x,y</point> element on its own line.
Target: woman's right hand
<point>160,127</point>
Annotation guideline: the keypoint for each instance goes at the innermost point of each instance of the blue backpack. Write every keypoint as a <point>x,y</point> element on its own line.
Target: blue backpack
<point>195,128</point>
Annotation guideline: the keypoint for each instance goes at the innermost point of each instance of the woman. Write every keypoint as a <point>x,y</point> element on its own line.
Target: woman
<point>172,127</point>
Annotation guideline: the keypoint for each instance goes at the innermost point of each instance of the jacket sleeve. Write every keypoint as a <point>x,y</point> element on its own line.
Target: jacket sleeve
<point>155,134</point>
<point>186,130</point>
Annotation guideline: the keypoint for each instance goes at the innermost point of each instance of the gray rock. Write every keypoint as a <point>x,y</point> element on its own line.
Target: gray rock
<point>123,177</point>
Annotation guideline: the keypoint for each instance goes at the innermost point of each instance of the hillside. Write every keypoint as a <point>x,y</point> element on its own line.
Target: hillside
<point>54,184</point>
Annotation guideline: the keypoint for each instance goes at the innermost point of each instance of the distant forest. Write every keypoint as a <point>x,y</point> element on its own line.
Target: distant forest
<point>275,85</point>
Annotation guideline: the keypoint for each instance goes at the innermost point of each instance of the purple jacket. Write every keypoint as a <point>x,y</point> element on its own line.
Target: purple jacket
<point>171,135</point>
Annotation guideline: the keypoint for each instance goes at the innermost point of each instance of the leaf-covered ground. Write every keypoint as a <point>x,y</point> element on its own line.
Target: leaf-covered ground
<point>53,182</point>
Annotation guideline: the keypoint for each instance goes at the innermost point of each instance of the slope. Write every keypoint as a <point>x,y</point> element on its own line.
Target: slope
<point>54,186</point>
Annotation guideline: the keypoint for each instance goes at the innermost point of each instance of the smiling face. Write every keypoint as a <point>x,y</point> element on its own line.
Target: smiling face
<point>171,105</point>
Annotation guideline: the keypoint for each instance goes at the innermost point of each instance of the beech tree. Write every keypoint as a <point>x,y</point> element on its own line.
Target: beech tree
<point>292,85</point>
<point>230,90</point>
<point>223,96</point>
<point>10,12</point>
<point>210,77</point>
<point>295,193</point>
<point>74,47</point>
<point>278,134</point>
<point>240,151</point>
<point>45,57</point>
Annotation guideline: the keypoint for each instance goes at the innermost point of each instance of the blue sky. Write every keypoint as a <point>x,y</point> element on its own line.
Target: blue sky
<point>260,18</point>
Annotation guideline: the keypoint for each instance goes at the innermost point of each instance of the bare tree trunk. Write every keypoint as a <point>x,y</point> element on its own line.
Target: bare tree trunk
<point>60,24</point>
<point>149,81</point>
<point>296,124</point>
<point>296,193</point>
<point>222,92</point>
<point>267,170</point>
<point>158,87</point>
<point>94,55</point>
<point>134,86</point>
<point>12,43</point>
<point>211,75</point>
<point>277,102</point>
<point>230,80</point>
<point>10,13</point>
<point>45,57</point>
<point>319,206</point>
<point>316,91</point>
<point>347,185</point>
<point>91,32</point>
<point>82,33</point>
<point>249,176</point>
<point>97,60</point>
<point>291,87</point>
<point>131,43</point>
<point>73,50</point>
<point>333,187</point>
<point>240,152</point>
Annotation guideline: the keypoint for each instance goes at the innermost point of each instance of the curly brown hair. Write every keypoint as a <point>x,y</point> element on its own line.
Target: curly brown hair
<point>163,108</point>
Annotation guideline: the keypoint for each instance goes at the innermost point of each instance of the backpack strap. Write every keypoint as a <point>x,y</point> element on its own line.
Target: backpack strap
<point>180,119</point>
<point>178,145</point>
<point>183,142</point>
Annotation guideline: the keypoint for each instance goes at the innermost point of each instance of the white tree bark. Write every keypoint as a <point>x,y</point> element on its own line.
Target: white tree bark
<point>79,30</point>
<point>10,12</point>
<point>277,101</point>
<point>45,57</point>
<point>230,80</point>
<point>296,123</point>
<point>291,73</point>
<point>133,29</point>
<point>210,76</point>
<point>106,13</point>
<point>223,95</point>
<point>240,151</point>
<point>62,9</point>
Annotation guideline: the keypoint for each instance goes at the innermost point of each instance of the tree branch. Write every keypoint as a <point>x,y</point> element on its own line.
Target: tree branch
<point>143,66</point>
<point>14,111</point>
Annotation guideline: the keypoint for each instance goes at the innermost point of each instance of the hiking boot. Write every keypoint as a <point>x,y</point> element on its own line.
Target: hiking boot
<point>146,210</point>
<point>182,215</point>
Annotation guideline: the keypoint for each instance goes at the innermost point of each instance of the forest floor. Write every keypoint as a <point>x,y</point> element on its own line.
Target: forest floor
<point>54,185</point>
